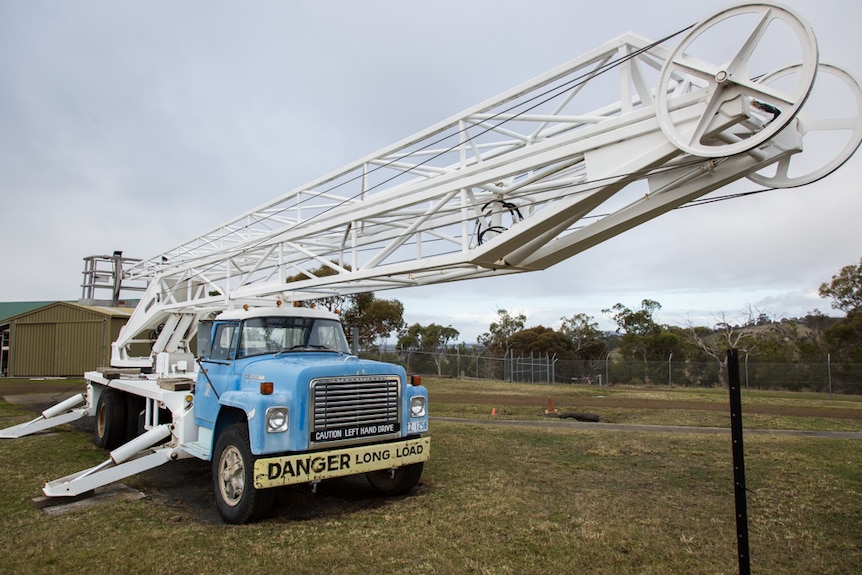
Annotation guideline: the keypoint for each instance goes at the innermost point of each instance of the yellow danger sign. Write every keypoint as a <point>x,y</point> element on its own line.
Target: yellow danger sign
<point>306,467</point>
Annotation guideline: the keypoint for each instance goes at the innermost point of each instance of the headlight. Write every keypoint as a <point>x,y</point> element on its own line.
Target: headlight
<point>276,419</point>
<point>417,406</point>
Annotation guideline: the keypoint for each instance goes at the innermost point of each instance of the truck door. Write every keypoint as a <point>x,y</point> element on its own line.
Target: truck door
<point>219,366</point>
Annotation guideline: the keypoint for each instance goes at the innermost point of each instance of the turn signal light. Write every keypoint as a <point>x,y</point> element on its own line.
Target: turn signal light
<point>415,380</point>
<point>266,388</point>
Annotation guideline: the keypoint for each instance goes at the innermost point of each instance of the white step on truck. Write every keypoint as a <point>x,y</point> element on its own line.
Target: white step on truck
<point>517,183</point>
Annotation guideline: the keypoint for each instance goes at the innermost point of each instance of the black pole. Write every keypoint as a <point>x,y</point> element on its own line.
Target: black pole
<point>738,461</point>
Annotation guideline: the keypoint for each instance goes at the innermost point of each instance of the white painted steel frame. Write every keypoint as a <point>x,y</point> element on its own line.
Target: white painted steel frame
<point>516,183</point>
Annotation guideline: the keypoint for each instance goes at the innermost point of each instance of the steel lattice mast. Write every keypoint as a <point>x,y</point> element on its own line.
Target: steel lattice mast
<point>517,183</point>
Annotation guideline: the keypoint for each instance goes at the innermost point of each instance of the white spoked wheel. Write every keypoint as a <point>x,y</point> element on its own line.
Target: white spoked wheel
<point>830,124</point>
<point>715,110</point>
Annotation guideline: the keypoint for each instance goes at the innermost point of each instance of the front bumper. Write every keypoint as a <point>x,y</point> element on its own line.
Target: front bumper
<point>319,465</point>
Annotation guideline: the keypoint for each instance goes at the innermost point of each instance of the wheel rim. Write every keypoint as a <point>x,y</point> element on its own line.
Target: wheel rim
<point>697,102</point>
<point>101,420</point>
<point>231,476</point>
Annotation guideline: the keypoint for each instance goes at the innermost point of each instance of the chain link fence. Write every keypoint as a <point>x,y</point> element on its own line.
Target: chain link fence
<point>826,377</point>
<point>524,369</point>
<point>816,377</point>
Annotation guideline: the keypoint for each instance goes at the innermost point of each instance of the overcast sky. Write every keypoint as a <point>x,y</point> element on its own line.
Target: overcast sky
<point>136,126</point>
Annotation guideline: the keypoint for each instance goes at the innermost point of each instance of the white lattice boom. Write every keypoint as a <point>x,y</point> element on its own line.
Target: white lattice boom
<point>517,183</point>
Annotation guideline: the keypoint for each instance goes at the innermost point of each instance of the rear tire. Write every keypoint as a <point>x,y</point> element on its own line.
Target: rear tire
<point>237,499</point>
<point>110,419</point>
<point>397,482</point>
<point>135,406</point>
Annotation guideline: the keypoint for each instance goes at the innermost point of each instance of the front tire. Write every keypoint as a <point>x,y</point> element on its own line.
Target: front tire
<point>395,482</point>
<point>237,499</point>
<point>110,419</point>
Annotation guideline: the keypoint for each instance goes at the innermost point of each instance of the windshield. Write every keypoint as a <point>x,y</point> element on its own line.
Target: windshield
<point>276,334</point>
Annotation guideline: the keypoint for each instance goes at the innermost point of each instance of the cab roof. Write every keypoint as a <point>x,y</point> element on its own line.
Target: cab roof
<point>285,311</point>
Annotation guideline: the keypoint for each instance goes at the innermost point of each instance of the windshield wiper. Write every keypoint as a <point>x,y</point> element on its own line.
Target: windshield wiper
<point>309,347</point>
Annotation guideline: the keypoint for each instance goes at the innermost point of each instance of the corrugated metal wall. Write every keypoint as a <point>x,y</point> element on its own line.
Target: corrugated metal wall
<point>60,340</point>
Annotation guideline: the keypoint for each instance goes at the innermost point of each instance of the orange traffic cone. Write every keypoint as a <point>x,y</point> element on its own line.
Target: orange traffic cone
<point>493,411</point>
<point>550,406</point>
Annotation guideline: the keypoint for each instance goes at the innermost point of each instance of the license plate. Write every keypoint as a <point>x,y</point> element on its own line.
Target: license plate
<point>417,426</point>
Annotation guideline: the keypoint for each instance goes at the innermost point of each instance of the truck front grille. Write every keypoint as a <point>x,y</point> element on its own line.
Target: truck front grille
<point>350,408</point>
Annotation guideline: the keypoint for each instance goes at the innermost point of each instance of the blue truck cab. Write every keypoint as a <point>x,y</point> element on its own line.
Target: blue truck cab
<point>281,400</point>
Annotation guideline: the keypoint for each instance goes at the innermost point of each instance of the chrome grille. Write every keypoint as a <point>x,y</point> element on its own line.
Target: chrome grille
<point>354,401</point>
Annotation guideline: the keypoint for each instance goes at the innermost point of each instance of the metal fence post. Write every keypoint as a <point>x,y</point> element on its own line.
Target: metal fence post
<point>738,462</point>
<point>607,368</point>
<point>669,371</point>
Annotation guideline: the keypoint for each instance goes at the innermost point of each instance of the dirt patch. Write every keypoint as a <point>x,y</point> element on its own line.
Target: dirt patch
<point>47,386</point>
<point>63,388</point>
<point>541,402</point>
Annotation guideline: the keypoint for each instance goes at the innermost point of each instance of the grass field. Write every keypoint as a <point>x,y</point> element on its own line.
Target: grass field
<point>493,499</point>
<point>651,406</point>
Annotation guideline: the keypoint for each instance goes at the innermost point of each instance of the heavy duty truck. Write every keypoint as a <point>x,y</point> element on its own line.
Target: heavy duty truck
<point>520,182</point>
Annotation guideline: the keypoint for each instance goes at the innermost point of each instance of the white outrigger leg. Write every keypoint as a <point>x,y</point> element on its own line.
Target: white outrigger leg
<point>63,412</point>
<point>134,457</point>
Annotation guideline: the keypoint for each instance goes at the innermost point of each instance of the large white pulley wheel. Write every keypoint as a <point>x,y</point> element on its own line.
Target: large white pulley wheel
<point>715,110</point>
<point>830,125</point>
